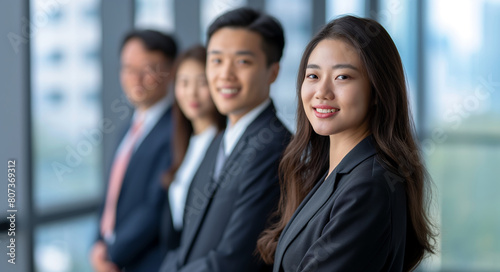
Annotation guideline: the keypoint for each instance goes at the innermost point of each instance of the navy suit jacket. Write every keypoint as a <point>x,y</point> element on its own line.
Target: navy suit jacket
<point>224,217</point>
<point>355,220</point>
<point>136,245</point>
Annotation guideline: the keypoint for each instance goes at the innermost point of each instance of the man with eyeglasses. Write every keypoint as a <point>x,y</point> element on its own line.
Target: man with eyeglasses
<point>130,218</point>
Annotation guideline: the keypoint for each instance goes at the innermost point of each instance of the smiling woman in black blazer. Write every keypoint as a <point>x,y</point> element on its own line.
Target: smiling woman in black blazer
<point>354,186</point>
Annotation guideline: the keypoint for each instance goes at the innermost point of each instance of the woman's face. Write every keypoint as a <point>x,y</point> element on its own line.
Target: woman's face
<point>191,90</point>
<point>335,90</point>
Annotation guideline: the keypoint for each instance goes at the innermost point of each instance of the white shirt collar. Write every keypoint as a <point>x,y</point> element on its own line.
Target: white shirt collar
<point>234,132</point>
<point>179,188</point>
<point>154,112</point>
<point>151,116</point>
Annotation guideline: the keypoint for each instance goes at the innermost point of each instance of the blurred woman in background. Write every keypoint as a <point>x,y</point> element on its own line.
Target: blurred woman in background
<point>196,123</point>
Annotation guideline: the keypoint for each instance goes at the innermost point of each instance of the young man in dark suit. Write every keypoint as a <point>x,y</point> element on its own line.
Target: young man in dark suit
<point>236,187</point>
<point>129,222</point>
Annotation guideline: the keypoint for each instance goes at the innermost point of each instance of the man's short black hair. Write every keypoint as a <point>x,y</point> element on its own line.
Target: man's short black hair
<point>267,26</point>
<point>154,41</point>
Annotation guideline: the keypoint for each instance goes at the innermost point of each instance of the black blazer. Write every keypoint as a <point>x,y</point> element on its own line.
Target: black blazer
<point>224,217</point>
<point>353,221</point>
<point>136,244</point>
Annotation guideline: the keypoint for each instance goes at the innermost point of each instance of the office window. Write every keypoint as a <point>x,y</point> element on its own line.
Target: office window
<point>462,75</point>
<point>463,62</point>
<point>399,18</point>
<point>211,9</point>
<point>66,130</point>
<point>295,16</point>
<point>155,14</point>
<point>64,245</point>
<point>335,8</point>
<point>66,81</point>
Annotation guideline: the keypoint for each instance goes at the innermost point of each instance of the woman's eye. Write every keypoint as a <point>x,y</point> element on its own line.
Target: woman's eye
<point>216,61</point>
<point>342,77</point>
<point>311,76</point>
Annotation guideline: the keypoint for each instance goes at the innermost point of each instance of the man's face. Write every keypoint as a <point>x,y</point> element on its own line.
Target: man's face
<point>144,74</point>
<point>237,73</point>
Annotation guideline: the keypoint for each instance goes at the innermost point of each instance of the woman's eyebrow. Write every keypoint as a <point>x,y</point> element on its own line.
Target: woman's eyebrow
<point>337,66</point>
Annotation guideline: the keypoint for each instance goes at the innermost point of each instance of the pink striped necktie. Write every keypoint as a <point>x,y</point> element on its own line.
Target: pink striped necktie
<point>118,170</point>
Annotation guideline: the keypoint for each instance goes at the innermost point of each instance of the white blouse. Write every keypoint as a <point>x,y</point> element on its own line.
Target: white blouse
<point>178,190</point>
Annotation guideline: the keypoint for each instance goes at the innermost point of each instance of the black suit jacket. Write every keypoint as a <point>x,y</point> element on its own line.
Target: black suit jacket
<point>136,244</point>
<point>353,221</point>
<point>224,217</point>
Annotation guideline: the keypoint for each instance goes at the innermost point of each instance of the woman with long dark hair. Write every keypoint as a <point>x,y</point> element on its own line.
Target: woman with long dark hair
<point>354,187</point>
<point>196,123</point>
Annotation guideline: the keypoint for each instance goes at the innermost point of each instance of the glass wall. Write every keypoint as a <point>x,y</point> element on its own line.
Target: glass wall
<point>66,85</point>
<point>336,8</point>
<point>295,16</point>
<point>155,14</point>
<point>67,137</point>
<point>210,9</point>
<point>400,20</point>
<point>462,85</point>
<point>64,246</point>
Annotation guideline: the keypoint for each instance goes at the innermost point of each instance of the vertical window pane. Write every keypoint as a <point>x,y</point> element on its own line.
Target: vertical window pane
<point>211,9</point>
<point>463,66</point>
<point>66,106</point>
<point>295,16</point>
<point>335,8</point>
<point>461,77</point>
<point>399,18</point>
<point>65,246</point>
<point>466,176</point>
<point>155,14</point>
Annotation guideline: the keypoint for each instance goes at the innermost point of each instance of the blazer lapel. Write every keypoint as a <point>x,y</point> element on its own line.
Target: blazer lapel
<point>305,212</point>
<point>301,205</point>
<point>199,199</point>
<point>229,168</point>
<point>321,193</point>
<point>233,162</point>
<point>159,135</point>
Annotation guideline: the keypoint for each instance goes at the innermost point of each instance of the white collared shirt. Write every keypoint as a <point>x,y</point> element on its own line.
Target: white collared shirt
<point>234,132</point>
<point>178,189</point>
<point>151,117</point>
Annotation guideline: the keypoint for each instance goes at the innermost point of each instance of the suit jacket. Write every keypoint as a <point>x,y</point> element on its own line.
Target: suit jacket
<point>139,208</point>
<point>355,220</point>
<point>224,216</point>
<point>169,236</point>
